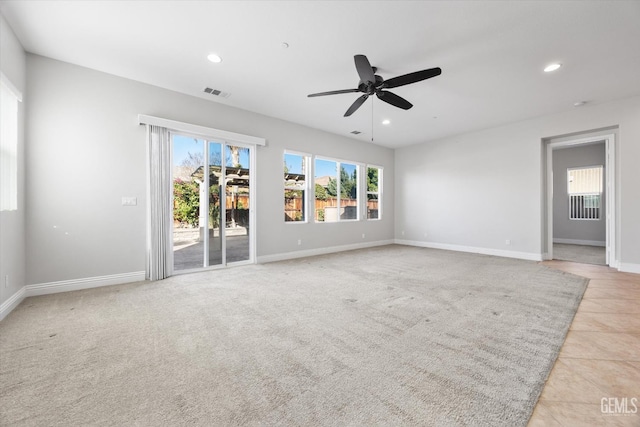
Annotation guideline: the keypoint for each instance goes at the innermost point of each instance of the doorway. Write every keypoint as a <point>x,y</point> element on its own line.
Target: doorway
<point>579,203</point>
<point>580,215</point>
<point>212,196</point>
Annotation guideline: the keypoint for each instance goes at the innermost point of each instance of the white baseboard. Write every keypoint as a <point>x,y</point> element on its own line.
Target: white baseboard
<point>13,301</point>
<point>85,283</point>
<point>628,267</point>
<point>320,251</point>
<point>580,242</point>
<point>485,251</point>
<point>66,286</point>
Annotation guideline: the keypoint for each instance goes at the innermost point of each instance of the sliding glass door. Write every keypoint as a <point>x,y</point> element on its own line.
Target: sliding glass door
<point>211,203</point>
<point>214,202</point>
<point>237,192</point>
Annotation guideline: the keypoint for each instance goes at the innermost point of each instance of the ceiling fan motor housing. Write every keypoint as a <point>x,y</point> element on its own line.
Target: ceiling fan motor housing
<point>370,88</point>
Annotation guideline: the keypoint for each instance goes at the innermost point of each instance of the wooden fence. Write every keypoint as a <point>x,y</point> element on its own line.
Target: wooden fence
<point>293,207</point>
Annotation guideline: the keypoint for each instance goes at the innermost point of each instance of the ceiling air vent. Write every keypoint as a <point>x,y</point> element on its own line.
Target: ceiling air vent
<point>216,92</point>
<point>356,132</point>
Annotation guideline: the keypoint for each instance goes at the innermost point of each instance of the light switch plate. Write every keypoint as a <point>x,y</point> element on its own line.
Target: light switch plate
<point>129,201</point>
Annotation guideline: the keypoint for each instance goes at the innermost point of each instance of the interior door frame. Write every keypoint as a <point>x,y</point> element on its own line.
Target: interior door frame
<point>610,185</point>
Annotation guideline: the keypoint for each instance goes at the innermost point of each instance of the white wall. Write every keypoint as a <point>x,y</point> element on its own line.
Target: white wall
<point>86,151</point>
<point>12,223</point>
<point>565,229</point>
<point>479,189</point>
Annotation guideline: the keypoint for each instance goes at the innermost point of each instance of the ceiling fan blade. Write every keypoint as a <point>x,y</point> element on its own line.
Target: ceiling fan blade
<point>412,78</point>
<point>393,99</point>
<point>356,105</point>
<point>365,71</point>
<point>333,92</point>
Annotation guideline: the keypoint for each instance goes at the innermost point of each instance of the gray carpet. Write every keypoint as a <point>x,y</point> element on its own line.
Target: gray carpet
<point>386,336</point>
<point>580,253</point>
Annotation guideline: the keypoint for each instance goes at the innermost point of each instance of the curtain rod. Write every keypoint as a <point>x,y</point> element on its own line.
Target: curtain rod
<point>200,130</point>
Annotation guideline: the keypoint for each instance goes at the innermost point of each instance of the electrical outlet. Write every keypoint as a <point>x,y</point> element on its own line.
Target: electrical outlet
<point>507,242</point>
<point>363,235</point>
<point>299,242</point>
<point>402,232</point>
<point>6,281</point>
<point>425,234</point>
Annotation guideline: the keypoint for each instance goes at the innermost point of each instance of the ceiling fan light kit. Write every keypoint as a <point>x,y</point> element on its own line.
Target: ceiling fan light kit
<point>372,84</point>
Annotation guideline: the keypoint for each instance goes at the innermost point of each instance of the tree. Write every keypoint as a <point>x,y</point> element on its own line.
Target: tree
<point>348,185</point>
<point>321,193</point>
<point>332,187</point>
<point>186,199</point>
<point>193,160</point>
<point>372,179</point>
<point>234,159</point>
<point>235,156</point>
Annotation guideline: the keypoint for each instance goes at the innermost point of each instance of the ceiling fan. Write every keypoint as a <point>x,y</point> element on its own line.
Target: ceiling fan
<point>370,84</point>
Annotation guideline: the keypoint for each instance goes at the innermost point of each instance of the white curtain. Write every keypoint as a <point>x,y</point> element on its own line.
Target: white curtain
<point>159,203</point>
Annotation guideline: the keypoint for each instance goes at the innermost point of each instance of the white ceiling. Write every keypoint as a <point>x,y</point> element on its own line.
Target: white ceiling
<point>491,54</point>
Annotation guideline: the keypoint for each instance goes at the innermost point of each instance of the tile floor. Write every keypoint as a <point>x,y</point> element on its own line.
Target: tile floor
<point>600,357</point>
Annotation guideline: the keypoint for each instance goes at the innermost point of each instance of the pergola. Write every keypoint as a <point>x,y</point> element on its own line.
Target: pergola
<point>236,176</point>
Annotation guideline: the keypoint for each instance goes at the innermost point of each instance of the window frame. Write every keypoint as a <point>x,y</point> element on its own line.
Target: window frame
<point>584,194</point>
<point>309,172</point>
<point>339,162</point>
<point>10,144</point>
<point>367,192</point>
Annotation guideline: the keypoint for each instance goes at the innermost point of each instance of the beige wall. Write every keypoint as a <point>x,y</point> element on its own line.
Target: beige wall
<point>12,223</point>
<point>86,151</point>
<point>480,189</point>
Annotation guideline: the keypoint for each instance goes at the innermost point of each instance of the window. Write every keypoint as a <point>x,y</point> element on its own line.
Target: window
<point>336,191</point>
<point>9,98</point>
<point>584,186</point>
<point>348,191</point>
<point>295,187</point>
<point>339,190</point>
<point>374,192</point>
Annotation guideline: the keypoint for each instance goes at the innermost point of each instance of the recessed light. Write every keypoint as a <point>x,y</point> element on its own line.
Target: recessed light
<point>214,58</point>
<point>552,67</point>
<point>386,121</point>
<point>579,103</point>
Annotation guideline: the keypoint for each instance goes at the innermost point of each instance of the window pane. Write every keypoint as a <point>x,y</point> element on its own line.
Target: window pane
<point>373,192</point>
<point>585,188</point>
<point>348,191</point>
<point>372,180</point>
<point>215,212</point>
<point>592,201</point>
<point>238,203</point>
<point>188,178</point>
<point>295,185</point>
<point>8,149</point>
<point>584,180</point>
<point>372,206</point>
<point>326,191</point>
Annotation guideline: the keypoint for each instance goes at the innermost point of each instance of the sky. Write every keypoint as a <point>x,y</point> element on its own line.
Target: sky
<point>322,167</point>
<point>183,145</point>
